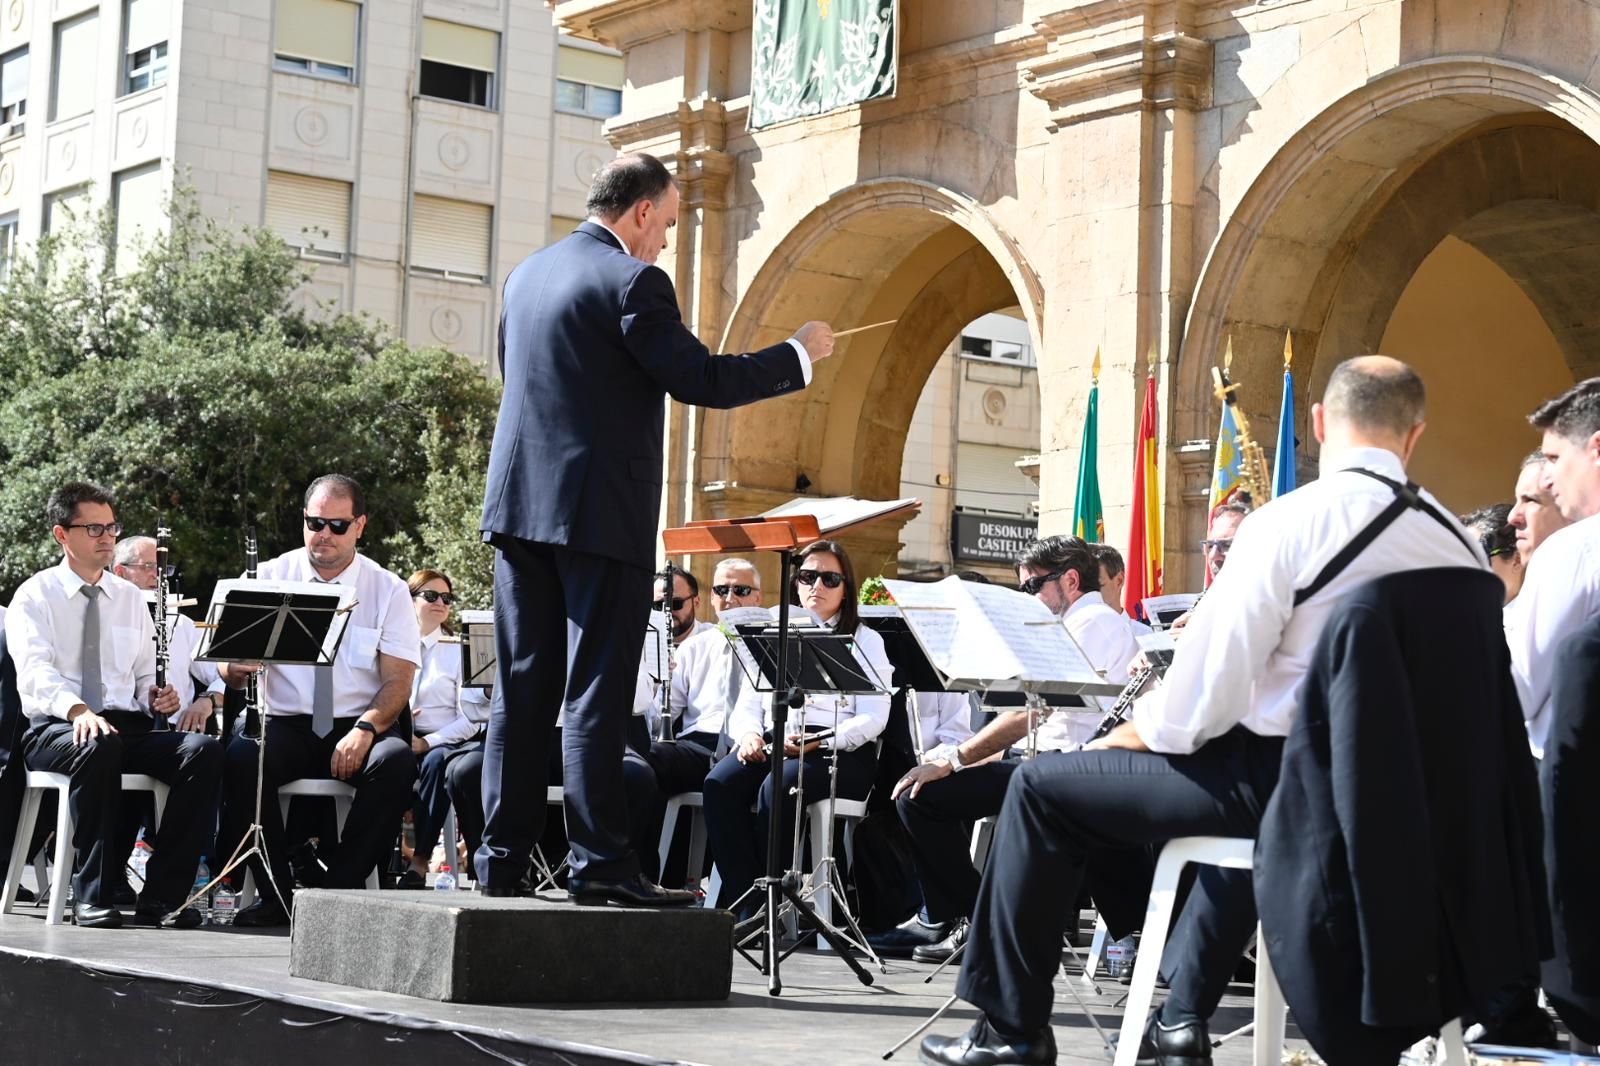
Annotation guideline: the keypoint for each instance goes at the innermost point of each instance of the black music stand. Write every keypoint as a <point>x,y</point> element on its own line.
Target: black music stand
<point>274,623</point>
<point>477,649</point>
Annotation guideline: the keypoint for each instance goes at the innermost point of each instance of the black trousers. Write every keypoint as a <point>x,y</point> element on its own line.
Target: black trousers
<point>569,627</point>
<point>383,791</point>
<point>1060,808</point>
<point>1569,786</point>
<point>433,795</point>
<point>738,836</point>
<point>190,764</point>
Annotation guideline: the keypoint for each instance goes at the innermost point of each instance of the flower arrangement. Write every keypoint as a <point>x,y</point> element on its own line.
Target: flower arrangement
<point>874,592</point>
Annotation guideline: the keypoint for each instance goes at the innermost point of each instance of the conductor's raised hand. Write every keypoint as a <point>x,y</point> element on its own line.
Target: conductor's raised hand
<point>817,339</point>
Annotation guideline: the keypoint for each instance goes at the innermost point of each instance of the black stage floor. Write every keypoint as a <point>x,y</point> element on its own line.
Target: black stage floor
<point>219,995</point>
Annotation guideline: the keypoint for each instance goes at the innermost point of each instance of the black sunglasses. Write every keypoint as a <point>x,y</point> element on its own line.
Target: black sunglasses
<point>733,590</point>
<point>1219,546</point>
<point>97,529</point>
<point>340,526</point>
<point>676,601</point>
<point>1034,585</point>
<point>830,578</point>
<point>446,598</point>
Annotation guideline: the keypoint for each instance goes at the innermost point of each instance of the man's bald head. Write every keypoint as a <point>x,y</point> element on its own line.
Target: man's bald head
<point>1375,393</point>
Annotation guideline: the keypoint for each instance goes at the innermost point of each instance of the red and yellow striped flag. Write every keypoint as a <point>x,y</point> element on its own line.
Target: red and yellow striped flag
<point>1144,536</point>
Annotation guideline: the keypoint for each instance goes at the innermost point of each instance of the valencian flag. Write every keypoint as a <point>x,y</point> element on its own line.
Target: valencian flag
<point>1283,458</point>
<point>1087,520</point>
<point>1144,536</point>
<point>809,57</point>
<point>1227,474</point>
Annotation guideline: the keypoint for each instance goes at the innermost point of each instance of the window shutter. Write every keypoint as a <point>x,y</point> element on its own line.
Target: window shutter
<point>75,67</point>
<point>140,212</point>
<point>299,209</point>
<point>593,68</point>
<point>322,30</point>
<point>147,23</point>
<point>451,236</point>
<point>458,45</point>
<point>986,478</point>
<point>14,79</point>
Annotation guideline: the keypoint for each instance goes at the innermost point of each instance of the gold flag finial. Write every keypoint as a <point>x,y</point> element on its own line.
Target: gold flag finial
<point>1227,357</point>
<point>1094,370</point>
<point>1288,348</point>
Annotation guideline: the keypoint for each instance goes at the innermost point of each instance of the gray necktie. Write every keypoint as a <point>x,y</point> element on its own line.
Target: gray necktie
<point>735,681</point>
<point>89,653</point>
<point>322,694</point>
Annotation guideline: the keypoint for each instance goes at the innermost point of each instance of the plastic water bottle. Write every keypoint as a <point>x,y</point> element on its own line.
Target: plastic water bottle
<point>446,881</point>
<point>202,878</point>
<point>139,860</point>
<point>1119,959</point>
<point>224,903</point>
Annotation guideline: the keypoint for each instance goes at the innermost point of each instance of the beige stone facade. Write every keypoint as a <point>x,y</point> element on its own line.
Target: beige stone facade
<point>414,150</point>
<point>1147,176</point>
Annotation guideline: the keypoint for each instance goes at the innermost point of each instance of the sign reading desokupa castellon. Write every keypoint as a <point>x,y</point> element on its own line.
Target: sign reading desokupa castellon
<point>810,57</point>
<point>987,538</point>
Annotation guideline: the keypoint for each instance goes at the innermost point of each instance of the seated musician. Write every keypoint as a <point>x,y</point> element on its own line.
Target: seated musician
<point>1200,755</point>
<point>198,684</point>
<point>939,800</point>
<point>826,586</point>
<point>1113,578</point>
<point>340,722</point>
<point>84,646</point>
<point>683,606</point>
<point>447,721</point>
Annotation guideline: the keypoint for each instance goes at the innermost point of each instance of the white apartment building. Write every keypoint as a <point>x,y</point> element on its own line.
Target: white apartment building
<point>411,152</point>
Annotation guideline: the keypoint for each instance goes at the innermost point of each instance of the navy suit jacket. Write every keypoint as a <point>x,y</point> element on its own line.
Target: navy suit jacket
<point>591,344</point>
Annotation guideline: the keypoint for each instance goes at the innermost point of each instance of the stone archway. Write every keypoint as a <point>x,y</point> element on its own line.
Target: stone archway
<point>890,249</point>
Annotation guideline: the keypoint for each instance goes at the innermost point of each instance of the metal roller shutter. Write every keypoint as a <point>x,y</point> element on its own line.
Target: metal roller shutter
<point>451,237</point>
<point>312,214</point>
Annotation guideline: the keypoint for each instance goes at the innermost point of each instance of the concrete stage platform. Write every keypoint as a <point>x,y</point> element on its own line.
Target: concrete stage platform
<point>136,996</point>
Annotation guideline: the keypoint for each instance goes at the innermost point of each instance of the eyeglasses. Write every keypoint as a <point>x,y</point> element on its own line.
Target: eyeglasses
<point>432,596</point>
<point>676,601</point>
<point>733,590</point>
<point>98,529</point>
<point>149,568</point>
<point>829,578</point>
<point>1034,585</point>
<point>1219,546</point>
<point>340,526</point>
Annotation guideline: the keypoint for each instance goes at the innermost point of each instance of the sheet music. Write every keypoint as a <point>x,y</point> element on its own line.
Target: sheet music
<point>837,512</point>
<point>655,650</point>
<point>1161,610</point>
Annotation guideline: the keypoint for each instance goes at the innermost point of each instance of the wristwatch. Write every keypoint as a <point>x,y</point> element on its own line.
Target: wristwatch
<point>955,760</point>
<point>365,726</point>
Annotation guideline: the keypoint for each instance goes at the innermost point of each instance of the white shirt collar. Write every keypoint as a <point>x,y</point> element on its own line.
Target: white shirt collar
<point>430,639</point>
<point>1378,460</point>
<point>620,242</point>
<point>1088,599</point>
<point>71,582</point>
<point>346,577</point>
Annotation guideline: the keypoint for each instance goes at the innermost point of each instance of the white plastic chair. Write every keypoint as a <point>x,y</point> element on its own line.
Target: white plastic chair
<point>822,815</point>
<point>343,796</point>
<point>38,783</point>
<point>1270,1010</point>
<point>694,803</point>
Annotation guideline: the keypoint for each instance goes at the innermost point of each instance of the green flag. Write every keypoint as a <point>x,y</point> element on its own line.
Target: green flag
<point>1087,520</point>
<point>809,57</point>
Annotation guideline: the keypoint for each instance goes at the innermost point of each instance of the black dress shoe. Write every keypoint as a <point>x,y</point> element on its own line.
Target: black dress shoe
<point>123,895</point>
<point>945,948</point>
<point>524,887</point>
<point>1528,1025</point>
<point>91,917</point>
<point>635,891</point>
<point>154,917</point>
<point>1185,1044</point>
<point>25,896</point>
<point>264,913</point>
<point>983,1046</point>
<point>903,939</point>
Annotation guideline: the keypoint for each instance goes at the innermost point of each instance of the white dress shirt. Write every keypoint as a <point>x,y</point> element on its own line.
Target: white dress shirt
<point>859,719</point>
<point>944,721</point>
<point>183,640</point>
<point>1107,642</point>
<point>1244,655</point>
<point>44,634</point>
<point>382,621</point>
<point>1560,592</point>
<point>442,711</point>
<point>650,706</point>
<point>700,680</point>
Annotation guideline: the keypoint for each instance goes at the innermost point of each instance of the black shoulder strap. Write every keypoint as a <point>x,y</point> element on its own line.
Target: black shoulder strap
<point>1406,497</point>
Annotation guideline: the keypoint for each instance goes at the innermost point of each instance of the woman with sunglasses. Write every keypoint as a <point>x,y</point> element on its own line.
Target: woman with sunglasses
<point>446,719</point>
<point>825,585</point>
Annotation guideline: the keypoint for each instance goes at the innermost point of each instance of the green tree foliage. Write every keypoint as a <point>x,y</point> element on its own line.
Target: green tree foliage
<point>196,389</point>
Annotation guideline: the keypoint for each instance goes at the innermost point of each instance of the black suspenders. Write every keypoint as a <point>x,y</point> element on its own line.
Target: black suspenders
<point>1406,498</point>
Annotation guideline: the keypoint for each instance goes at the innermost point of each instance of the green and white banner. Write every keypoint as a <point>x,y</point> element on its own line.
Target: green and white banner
<point>815,56</point>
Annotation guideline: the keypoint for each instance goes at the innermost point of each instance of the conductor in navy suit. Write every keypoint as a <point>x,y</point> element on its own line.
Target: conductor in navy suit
<point>591,344</point>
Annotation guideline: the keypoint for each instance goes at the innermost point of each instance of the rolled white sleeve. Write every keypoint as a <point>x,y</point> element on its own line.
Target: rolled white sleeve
<point>400,636</point>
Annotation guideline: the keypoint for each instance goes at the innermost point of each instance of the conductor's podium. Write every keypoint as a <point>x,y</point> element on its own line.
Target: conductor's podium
<point>465,948</point>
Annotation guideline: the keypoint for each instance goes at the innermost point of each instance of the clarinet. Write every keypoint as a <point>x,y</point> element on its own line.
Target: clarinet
<point>252,704</point>
<point>163,639</point>
<point>664,727</point>
<point>1136,686</point>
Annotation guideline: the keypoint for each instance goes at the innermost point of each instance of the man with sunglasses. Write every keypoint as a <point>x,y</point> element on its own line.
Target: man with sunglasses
<point>591,344</point>
<point>706,680</point>
<point>344,721</point>
<point>937,801</point>
<point>84,646</point>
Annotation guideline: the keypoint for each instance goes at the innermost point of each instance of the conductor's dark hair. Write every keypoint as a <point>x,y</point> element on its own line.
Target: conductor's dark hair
<point>1064,553</point>
<point>668,572</point>
<point>1574,415</point>
<point>1493,530</point>
<point>62,507</point>
<point>849,611</point>
<point>1109,558</point>
<point>625,181</point>
<point>340,485</point>
<point>1376,392</point>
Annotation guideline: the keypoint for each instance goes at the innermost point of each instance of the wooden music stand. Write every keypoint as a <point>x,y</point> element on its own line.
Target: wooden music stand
<point>785,536</point>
